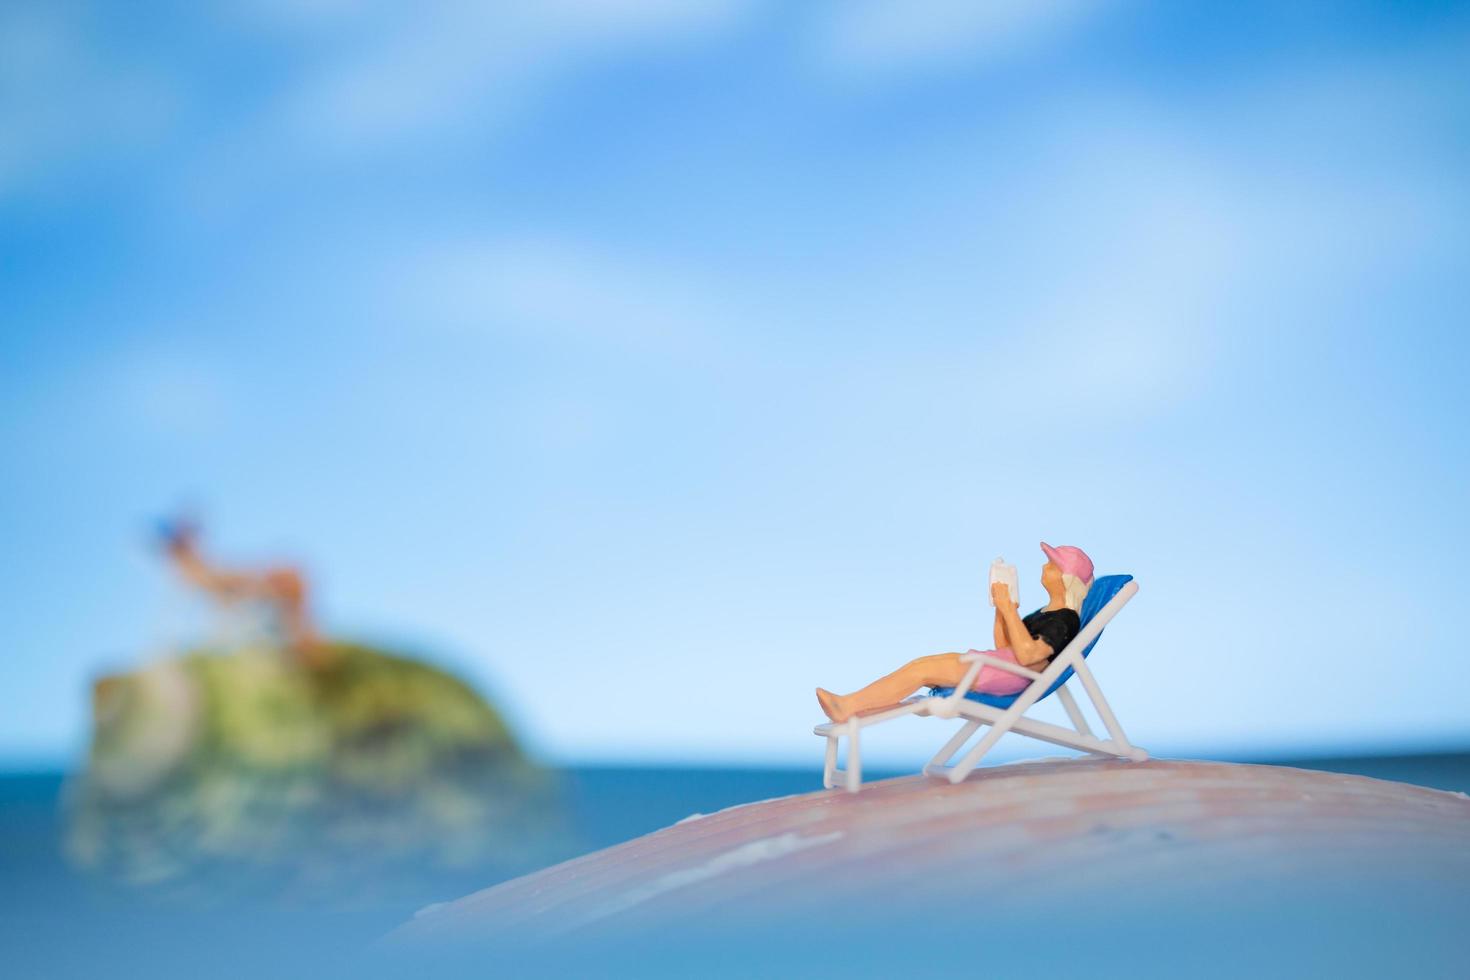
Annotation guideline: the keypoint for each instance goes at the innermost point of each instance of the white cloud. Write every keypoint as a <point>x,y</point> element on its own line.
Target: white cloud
<point>874,35</point>
<point>1138,246</point>
<point>294,16</point>
<point>67,100</point>
<point>432,76</point>
<point>1124,261</point>
<point>366,76</point>
<point>447,62</point>
<point>1148,237</point>
<point>168,393</point>
<point>562,290</point>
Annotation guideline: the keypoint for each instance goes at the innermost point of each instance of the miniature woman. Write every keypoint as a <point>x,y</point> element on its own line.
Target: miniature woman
<point>1031,642</point>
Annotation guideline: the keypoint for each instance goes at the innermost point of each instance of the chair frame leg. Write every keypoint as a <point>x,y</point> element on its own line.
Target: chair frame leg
<point>942,757</point>
<point>830,769</point>
<point>854,757</point>
<point>1100,704</point>
<point>851,774</point>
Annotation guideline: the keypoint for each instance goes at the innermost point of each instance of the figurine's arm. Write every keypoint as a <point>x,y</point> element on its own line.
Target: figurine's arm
<point>1027,648</point>
<point>1000,628</point>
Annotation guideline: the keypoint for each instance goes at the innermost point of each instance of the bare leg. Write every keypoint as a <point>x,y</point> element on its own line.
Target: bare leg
<point>939,670</point>
<point>287,589</point>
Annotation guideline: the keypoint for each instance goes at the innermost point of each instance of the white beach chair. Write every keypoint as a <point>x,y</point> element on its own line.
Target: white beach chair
<point>1003,712</point>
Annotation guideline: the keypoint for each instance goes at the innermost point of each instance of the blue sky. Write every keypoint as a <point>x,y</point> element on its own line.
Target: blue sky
<point>654,362</point>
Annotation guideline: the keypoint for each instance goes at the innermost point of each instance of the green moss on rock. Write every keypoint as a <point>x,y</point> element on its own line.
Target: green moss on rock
<point>243,762</point>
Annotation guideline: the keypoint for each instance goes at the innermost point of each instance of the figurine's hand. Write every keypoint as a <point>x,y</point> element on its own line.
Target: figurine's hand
<point>1000,594</point>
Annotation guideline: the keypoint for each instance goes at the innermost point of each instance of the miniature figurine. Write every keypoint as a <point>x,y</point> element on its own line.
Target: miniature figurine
<point>1030,641</point>
<point>283,589</point>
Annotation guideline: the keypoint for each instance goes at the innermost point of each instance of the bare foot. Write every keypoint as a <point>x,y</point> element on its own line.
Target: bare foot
<point>833,706</point>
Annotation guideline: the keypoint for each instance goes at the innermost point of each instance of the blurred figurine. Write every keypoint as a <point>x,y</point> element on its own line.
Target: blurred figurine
<point>332,768</point>
<point>1030,641</point>
<point>281,589</point>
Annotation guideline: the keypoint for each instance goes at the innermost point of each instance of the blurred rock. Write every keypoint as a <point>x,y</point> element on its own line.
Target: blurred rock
<point>246,770</point>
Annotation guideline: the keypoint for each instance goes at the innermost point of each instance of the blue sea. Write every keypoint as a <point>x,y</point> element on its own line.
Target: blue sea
<point>55,922</point>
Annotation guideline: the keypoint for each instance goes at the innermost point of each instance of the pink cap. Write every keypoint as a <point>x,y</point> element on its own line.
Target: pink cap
<point>1072,561</point>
